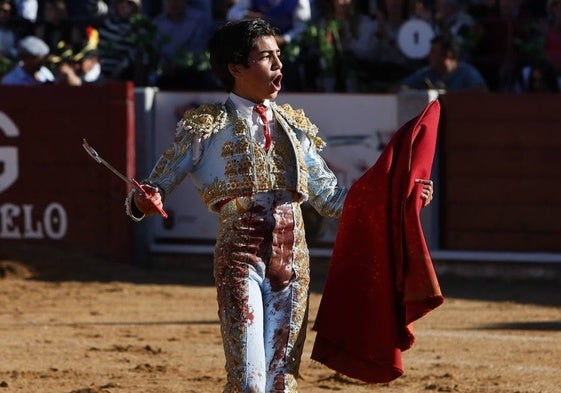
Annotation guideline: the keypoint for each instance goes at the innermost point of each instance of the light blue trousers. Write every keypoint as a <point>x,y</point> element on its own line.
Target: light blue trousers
<point>262,277</point>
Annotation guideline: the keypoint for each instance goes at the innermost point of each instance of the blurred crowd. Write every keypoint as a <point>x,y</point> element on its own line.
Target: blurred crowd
<point>373,46</point>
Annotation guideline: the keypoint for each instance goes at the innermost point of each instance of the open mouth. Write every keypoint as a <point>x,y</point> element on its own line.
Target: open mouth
<point>277,82</point>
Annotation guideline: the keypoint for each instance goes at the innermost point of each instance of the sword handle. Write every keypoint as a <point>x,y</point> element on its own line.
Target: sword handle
<point>139,188</point>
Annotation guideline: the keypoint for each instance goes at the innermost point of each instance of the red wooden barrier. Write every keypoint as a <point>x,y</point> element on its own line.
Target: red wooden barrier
<point>51,191</point>
<point>501,172</point>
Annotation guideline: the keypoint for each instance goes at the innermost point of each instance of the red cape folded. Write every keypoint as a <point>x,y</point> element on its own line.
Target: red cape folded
<point>381,277</point>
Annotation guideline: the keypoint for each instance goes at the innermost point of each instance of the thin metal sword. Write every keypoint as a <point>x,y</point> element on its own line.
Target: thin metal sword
<point>132,182</point>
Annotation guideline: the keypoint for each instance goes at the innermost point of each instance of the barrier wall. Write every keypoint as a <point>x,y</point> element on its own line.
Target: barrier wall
<point>51,191</point>
<point>497,170</point>
<point>355,127</point>
<point>501,173</point>
<point>497,176</point>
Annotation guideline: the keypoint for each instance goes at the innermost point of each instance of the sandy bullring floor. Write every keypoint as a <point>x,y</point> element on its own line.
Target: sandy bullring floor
<point>75,324</point>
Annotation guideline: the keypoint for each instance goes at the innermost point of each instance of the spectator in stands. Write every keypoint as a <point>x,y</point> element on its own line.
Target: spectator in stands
<point>538,77</point>
<point>424,10</point>
<point>98,11</point>
<point>204,6</point>
<point>8,37</point>
<point>390,16</point>
<point>78,13</point>
<point>181,39</point>
<point>150,8</point>
<point>56,28</point>
<point>8,30</point>
<point>372,45</point>
<point>79,69</point>
<point>66,72</point>
<point>542,78</point>
<point>27,9</point>
<point>445,70</point>
<point>289,17</point>
<point>450,18</point>
<point>126,49</point>
<point>31,69</point>
<point>553,34</point>
<point>359,28</point>
<point>220,9</point>
<point>508,40</point>
<point>323,52</point>
<point>90,68</point>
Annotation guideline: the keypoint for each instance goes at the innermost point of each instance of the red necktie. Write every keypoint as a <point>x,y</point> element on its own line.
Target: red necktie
<point>262,111</point>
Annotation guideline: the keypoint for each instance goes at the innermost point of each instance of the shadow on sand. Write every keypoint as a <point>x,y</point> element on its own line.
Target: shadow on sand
<point>45,263</point>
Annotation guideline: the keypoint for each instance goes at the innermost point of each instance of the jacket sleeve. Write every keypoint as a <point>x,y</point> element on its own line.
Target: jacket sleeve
<point>326,196</point>
<point>170,169</point>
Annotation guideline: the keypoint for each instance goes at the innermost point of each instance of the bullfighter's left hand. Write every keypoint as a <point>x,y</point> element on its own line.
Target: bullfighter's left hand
<point>427,192</point>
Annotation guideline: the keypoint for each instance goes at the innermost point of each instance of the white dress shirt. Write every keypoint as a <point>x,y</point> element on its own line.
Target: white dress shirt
<point>245,110</point>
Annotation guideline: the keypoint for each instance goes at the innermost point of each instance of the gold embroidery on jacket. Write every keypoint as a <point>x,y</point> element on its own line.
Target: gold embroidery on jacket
<point>298,119</point>
<point>247,168</point>
<point>204,120</point>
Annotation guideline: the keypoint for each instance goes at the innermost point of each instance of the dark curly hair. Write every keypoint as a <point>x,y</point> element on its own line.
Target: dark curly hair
<point>231,44</point>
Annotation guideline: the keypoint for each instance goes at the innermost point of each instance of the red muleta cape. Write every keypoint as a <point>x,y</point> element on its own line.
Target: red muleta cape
<point>381,277</point>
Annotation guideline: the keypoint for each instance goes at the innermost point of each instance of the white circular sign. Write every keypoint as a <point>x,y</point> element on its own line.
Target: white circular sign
<point>414,38</point>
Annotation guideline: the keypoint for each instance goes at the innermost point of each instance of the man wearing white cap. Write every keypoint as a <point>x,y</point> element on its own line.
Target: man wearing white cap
<point>30,70</point>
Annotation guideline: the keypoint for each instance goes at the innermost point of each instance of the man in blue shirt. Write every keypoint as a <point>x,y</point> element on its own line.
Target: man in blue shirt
<point>31,70</point>
<point>445,71</point>
<point>181,38</point>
